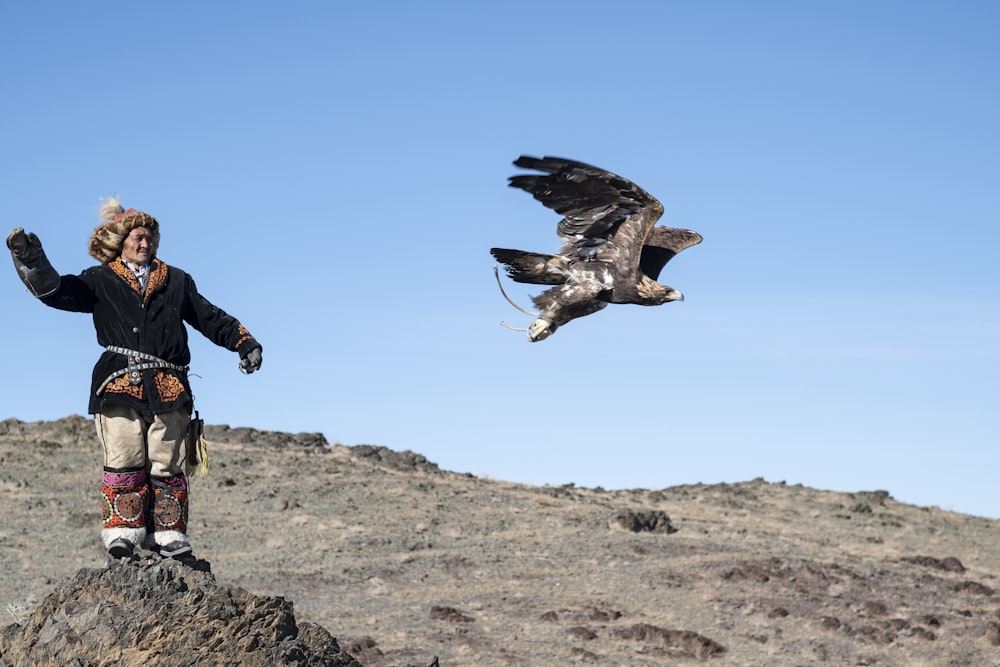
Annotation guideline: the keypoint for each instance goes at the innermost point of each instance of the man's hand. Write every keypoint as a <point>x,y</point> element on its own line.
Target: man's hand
<point>22,244</point>
<point>252,361</point>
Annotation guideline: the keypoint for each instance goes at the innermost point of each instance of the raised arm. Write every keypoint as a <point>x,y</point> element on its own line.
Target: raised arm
<point>33,267</point>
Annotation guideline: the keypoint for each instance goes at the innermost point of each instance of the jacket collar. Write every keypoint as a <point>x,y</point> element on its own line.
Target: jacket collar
<point>157,276</point>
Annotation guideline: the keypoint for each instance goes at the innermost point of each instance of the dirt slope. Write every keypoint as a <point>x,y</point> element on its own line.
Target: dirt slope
<point>401,561</point>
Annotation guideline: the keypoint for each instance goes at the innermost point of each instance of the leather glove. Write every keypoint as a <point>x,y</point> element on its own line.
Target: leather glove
<point>23,245</point>
<point>252,361</point>
<point>31,264</point>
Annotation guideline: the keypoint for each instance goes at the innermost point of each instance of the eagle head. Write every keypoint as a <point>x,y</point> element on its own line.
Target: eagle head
<point>653,293</point>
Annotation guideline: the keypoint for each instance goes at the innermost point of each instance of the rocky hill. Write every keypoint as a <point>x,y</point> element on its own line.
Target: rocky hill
<point>387,560</point>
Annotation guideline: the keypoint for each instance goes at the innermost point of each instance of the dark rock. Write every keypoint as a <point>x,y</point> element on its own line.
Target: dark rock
<point>975,588</point>
<point>644,521</point>
<point>949,564</point>
<point>581,632</point>
<point>403,461</point>
<point>872,608</point>
<point>163,612</point>
<point>993,634</point>
<point>449,614</point>
<point>603,615</point>
<point>266,439</point>
<point>830,622</point>
<point>681,643</point>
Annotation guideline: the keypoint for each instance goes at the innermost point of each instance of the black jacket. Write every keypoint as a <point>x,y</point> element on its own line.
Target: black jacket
<point>151,322</point>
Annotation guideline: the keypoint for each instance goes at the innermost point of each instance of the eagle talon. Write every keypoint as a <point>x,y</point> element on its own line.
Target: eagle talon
<point>540,329</point>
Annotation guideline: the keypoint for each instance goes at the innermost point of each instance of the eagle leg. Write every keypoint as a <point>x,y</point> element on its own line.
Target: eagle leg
<point>541,329</point>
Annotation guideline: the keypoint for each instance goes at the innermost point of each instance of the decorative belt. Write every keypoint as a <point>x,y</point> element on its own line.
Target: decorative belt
<point>137,362</point>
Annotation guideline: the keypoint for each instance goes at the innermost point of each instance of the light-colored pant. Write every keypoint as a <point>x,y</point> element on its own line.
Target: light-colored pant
<point>131,440</point>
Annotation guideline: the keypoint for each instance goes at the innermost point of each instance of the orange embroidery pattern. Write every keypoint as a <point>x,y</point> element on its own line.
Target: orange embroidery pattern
<point>244,336</point>
<point>157,277</point>
<point>125,274</point>
<point>121,385</point>
<point>168,386</point>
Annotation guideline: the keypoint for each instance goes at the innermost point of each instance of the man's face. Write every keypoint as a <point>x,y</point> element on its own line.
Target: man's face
<point>138,246</point>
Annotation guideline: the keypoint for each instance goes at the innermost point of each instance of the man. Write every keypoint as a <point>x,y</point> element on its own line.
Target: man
<point>140,396</point>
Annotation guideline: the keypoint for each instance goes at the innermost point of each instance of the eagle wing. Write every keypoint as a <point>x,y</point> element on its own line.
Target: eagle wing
<point>661,245</point>
<point>605,216</point>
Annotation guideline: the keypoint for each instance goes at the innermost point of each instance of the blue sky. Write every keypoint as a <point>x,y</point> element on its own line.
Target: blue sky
<point>334,175</point>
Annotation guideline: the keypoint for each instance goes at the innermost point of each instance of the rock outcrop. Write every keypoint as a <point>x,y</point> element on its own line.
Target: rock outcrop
<point>153,611</point>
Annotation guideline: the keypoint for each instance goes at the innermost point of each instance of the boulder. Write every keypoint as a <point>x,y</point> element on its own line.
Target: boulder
<point>163,612</point>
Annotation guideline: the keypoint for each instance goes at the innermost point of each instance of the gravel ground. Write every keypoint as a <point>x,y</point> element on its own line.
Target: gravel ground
<point>403,562</point>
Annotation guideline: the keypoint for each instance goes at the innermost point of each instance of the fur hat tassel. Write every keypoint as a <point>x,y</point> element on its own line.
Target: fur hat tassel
<point>117,223</point>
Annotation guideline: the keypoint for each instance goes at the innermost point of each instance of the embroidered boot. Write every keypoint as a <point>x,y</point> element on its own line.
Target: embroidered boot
<point>126,498</point>
<point>170,515</point>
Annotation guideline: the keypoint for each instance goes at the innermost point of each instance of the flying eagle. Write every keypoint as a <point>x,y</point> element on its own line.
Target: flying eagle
<point>611,252</point>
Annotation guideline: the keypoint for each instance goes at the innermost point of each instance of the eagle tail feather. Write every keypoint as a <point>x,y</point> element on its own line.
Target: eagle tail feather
<point>530,267</point>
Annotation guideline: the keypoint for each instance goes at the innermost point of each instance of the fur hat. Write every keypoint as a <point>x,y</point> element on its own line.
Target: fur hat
<point>117,224</point>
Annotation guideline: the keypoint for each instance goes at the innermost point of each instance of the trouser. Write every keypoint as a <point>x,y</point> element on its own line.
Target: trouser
<point>144,487</point>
